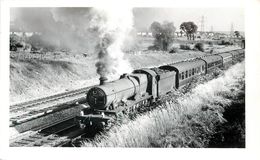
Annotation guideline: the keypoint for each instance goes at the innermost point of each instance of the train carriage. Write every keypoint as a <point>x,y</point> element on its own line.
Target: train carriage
<point>185,71</point>
<point>235,54</point>
<point>241,53</point>
<point>212,61</point>
<point>226,59</point>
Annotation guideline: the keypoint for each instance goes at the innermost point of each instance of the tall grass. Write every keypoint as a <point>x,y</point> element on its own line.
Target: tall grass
<point>188,122</point>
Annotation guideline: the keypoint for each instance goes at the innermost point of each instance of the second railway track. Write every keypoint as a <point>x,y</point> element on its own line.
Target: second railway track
<point>24,112</point>
<point>48,99</point>
<point>61,134</point>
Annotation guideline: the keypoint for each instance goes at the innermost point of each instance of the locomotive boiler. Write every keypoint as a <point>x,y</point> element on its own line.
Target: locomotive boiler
<point>109,95</point>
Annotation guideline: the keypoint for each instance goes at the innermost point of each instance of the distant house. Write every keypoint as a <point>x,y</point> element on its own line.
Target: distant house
<point>145,34</point>
<point>25,34</point>
<point>211,34</point>
<point>139,33</point>
<point>150,34</point>
<point>177,34</point>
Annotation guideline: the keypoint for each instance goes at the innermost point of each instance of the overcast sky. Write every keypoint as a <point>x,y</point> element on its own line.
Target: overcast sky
<point>219,18</point>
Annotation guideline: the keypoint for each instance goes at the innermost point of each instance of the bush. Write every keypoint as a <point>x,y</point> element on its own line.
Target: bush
<point>199,46</point>
<point>210,43</point>
<point>153,48</point>
<point>185,47</point>
<point>174,50</point>
<point>224,42</point>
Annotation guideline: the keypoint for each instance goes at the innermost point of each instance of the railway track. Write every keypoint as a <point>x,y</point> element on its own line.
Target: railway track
<point>61,134</point>
<point>27,111</point>
<point>49,99</point>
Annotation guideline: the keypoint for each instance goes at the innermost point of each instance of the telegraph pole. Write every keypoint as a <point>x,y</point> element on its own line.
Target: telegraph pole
<point>232,29</point>
<point>202,21</point>
<point>211,29</point>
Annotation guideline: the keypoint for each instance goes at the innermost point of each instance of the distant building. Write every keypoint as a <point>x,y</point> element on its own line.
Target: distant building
<point>25,34</point>
<point>144,34</point>
<point>150,34</point>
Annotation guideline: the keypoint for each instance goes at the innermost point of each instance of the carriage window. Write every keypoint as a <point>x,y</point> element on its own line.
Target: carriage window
<point>192,71</point>
<point>189,72</point>
<point>179,76</point>
<point>182,75</point>
<point>186,74</point>
<point>203,68</point>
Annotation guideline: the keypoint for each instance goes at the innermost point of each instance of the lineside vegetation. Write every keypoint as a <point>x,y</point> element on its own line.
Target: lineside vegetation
<point>190,121</point>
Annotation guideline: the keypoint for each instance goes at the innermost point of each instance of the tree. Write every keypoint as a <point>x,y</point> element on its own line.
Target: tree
<point>190,28</point>
<point>155,28</point>
<point>237,33</point>
<point>181,32</point>
<point>163,34</point>
<point>15,42</point>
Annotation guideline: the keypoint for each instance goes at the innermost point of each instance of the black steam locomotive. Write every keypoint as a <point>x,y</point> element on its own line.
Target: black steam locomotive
<point>145,86</point>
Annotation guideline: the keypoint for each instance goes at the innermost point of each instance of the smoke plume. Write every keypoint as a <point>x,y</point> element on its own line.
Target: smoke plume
<point>100,31</point>
<point>60,27</point>
<point>113,26</point>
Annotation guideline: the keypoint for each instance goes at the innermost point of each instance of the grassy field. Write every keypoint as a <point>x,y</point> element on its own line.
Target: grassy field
<point>203,117</point>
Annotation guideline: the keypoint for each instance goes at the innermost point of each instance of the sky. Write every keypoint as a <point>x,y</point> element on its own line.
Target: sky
<point>219,18</point>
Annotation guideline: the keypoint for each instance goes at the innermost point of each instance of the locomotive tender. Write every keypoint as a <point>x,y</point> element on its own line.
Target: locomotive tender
<point>145,86</point>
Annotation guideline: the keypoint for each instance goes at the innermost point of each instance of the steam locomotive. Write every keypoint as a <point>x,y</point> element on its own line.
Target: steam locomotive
<point>145,86</point>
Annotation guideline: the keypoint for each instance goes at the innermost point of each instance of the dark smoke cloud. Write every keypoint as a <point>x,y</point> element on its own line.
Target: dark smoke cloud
<point>101,31</point>
<point>65,27</point>
<point>105,61</point>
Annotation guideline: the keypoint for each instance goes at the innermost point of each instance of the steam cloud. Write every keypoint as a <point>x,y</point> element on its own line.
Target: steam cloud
<point>99,31</point>
<point>113,27</point>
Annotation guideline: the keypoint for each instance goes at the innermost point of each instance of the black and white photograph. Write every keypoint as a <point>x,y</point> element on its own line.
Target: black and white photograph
<point>127,77</point>
<point>147,77</point>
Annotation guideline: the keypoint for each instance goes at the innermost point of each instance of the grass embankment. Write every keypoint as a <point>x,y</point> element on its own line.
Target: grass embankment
<point>30,79</point>
<point>200,118</point>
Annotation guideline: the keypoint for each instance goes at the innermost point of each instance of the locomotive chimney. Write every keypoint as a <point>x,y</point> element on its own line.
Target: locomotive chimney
<point>102,80</point>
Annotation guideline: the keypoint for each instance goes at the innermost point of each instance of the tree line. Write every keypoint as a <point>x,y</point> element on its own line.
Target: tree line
<point>164,33</point>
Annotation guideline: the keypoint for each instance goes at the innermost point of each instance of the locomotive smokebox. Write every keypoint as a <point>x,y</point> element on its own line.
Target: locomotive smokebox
<point>102,80</point>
